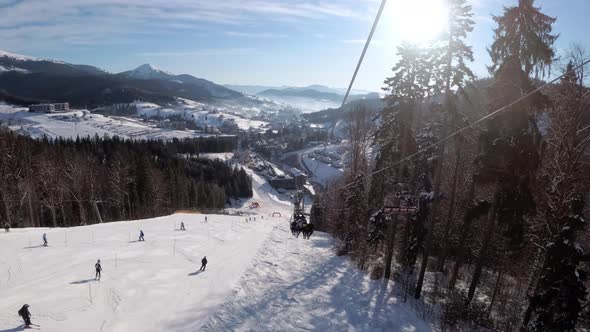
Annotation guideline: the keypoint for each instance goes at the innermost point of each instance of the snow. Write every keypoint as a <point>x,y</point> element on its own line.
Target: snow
<point>18,56</point>
<point>259,278</point>
<point>148,68</point>
<point>322,171</point>
<point>146,286</point>
<point>201,114</point>
<point>20,70</point>
<point>83,123</point>
<point>223,156</point>
<point>300,285</point>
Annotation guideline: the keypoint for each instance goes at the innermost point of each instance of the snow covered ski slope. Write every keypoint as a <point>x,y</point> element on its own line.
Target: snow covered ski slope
<point>300,285</point>
<point>146,286</point>
<point>259,278</point>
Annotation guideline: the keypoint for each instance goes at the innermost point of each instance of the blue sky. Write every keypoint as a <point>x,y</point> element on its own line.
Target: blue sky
<point>262,42</point>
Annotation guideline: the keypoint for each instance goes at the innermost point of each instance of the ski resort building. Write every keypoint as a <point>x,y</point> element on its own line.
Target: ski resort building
<point>283,181</point>
<point>49,108</point>
<point>296,179</point>
<point>299,177</point>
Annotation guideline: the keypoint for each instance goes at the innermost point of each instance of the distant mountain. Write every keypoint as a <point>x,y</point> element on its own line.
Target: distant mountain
<point>78,90</point>
<point>328,116</point>
<point>340,91</point>
<point>27,64</point>
<point>301,92</point>
<point>149,72</point>
<point>25,79</point>
<point>310,100</point>
<point>250,89</point>
<point>255,89</point>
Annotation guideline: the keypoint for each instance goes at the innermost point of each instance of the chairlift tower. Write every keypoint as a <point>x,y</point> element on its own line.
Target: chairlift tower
<point>299,206</point>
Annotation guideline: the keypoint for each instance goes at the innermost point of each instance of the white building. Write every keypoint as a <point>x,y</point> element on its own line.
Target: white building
<point>49,108</point>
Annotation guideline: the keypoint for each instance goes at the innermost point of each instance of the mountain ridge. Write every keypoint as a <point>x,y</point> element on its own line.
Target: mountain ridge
<point>25,79</point>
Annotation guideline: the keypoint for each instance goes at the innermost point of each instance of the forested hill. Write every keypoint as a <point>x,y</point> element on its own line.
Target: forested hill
<point>63,182</point>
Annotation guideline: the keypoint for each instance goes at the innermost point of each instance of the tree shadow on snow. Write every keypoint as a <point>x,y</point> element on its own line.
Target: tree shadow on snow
<point>85,281</point>
<point>375,307</point>
<point>195,273</point>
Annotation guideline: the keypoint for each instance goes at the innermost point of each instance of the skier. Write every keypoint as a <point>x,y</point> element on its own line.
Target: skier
<point>98,270</point>
<point>25,314</point>
<point>7,227</point>
<point>205,218</point>
<point>203,264</point>
<point>44,240</point>
<point>141,235</point>
<point>182,226</point>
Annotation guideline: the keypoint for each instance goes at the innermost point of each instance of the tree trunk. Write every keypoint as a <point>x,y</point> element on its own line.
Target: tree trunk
<point>97,212</point>
<point>390,245</point>
<point>466,228</point>
<point>63,213</point>
<point>450,215</point>
<point>7,209</point>
<point>431,222</point>
<point>496,288</point>
<point>31,211</point>
<point>129,205</point>
<point>491,221</point>
<point>53,216</point>
<point>81,211</point>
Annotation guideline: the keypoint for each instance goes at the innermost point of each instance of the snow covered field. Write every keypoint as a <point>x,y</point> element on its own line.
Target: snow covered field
<point>83,123</point>
<point>322,170</point>
<point>200,113</point>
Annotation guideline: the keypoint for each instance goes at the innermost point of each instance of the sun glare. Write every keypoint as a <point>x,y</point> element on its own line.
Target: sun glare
<point>419,21</point>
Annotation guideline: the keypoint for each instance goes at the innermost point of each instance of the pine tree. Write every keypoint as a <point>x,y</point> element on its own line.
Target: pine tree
<point>523,35</point>
<point>451,74</point>
<point>558,296</point>
<point>395,137</point>
<point>509,148</point>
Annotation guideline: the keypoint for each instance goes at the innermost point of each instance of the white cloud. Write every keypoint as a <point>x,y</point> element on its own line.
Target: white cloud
<point>37,24</point>
<point>255,34</point>
<point>202,52</point>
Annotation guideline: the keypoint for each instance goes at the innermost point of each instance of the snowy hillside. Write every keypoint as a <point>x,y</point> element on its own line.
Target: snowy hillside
<point>201,114</point>
<point>259,278</point>
<point>19,57</point>
<point>146,71</point>
<point>83,123</point>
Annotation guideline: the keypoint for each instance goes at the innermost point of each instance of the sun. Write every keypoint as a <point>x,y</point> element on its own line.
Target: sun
<point>418,21</point>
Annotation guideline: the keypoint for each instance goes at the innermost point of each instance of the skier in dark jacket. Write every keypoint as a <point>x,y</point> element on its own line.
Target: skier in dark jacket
<point>141,236</point>
<point>7,227</point>
<point>182,226</point>
<point>203,264</point>
<point>44,240</point>
<point>98,270</point>
<point>25,314</point>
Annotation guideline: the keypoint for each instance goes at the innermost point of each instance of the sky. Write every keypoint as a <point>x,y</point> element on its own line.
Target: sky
<point>251,42</point>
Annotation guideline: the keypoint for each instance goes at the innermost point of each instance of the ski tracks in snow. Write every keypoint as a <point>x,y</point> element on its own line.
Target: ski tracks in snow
<point>300,285</point>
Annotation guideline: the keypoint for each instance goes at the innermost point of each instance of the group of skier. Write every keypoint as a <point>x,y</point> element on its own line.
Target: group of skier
<point>24,311</point>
